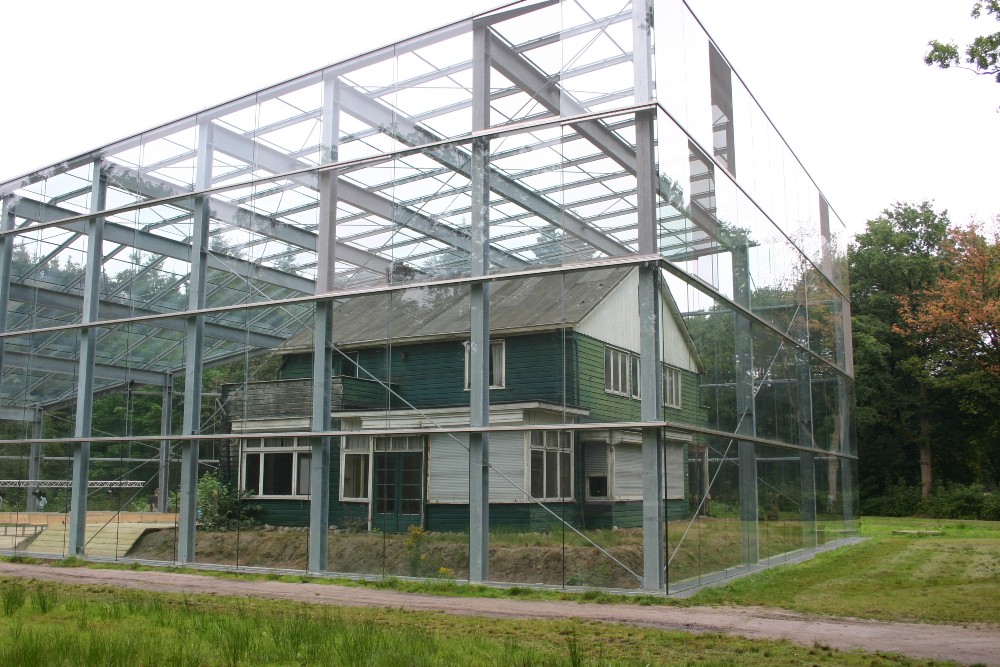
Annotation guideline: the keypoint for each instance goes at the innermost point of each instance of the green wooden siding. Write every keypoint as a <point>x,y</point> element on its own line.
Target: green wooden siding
<point>432,374</point>
<point>549,367</point>
<point>603,406</point>
<point>612,407</point>
<point>514,517</point>
<point>295,367</point>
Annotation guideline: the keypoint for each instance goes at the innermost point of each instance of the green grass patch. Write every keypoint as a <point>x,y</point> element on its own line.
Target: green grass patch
<point>952,578</point>
<point>102,626</point>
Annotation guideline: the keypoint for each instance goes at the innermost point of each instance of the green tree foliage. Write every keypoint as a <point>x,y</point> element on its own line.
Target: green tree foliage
<point>919,407</point>
<point>896,257</point>
<point>959,324</point>
<point>222,507</point>
<point>982,56</point>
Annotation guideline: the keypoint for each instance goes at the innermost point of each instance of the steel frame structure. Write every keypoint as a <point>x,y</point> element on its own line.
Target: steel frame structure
<point>488,149</point>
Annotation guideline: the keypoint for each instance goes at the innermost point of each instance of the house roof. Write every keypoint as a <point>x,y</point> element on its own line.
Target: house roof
<point>542,302</point>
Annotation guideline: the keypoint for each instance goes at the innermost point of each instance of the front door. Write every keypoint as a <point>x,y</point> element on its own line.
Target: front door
<point>399,490</point>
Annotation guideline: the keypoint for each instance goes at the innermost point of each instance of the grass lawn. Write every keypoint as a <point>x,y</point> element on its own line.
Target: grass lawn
<point>952,578</point>
<point>51,625</point>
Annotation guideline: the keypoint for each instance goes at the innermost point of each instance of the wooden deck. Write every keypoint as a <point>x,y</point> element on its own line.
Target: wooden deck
<point>59,518</point>
<point>109,534</point>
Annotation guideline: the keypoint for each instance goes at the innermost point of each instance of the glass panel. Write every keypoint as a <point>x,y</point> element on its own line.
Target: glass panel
<point>303,460</point>
<point>251,474</point>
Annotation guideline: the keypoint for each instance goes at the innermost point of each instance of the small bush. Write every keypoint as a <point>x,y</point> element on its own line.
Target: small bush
<point>222,507</point>
<point>899,500</point>
<point>947,501</point>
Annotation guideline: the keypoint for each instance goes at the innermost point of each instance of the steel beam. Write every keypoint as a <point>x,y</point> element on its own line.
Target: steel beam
<point>547,92</point>
<point>69,368</point>
<point>161,245</point>
<point>244,149</point>
<point>241,218</point>
<point>405,130</point>
<point>39,296</point>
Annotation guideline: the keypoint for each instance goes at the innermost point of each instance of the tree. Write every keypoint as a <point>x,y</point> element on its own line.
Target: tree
<point>982,55</point>
<point>896,257</point>
<point>960,313</point>
<point>957,322</point>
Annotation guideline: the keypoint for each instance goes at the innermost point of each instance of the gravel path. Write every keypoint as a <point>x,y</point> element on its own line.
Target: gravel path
<point>972,644</point>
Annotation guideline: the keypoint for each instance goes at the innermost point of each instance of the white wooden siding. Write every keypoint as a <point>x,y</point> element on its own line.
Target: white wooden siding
<point>506,456</point>
<point>615,321</point>
<point>674,463</point>
<point>448,468</point>
<point>628,471</point>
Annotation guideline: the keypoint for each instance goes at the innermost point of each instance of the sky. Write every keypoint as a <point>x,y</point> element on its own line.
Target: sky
<point>843,82</point>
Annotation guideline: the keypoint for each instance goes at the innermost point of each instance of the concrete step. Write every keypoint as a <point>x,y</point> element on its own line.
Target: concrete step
<point>110,541</point>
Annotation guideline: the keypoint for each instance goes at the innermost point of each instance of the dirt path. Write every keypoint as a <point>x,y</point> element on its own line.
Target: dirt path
<point>939,642</point>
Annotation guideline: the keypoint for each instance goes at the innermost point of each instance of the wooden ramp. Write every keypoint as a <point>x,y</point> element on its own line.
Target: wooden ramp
<point>113,540</point>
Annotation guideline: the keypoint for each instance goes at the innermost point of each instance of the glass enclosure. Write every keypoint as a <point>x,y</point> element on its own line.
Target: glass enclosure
<point>540,297</point>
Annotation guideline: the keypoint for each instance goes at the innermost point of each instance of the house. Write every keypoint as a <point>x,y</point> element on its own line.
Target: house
<point>563,350</point>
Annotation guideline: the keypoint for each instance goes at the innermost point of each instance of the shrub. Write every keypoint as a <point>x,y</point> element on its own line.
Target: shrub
<point>947,501</point>
<point>222,507</point>
<point>900,499</point>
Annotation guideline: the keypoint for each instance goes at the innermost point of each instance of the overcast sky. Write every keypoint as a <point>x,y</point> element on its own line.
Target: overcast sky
<point>843,81</point>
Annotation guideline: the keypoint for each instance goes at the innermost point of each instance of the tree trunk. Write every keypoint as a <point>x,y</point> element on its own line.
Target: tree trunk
<point>925,445</point>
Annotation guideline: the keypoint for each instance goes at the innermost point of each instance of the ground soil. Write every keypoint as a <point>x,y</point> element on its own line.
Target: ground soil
<point>366,553</point>
<point>965,644</point>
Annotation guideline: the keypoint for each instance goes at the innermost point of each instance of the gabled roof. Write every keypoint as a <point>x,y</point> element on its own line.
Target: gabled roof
<point>535,303</point>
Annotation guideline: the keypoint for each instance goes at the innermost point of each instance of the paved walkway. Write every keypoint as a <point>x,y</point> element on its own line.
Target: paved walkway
<point>939,642</point>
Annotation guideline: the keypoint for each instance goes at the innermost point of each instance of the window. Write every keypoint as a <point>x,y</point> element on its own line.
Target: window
<point>276,467</point>
<point>356,460</point>
<point>596,457</point>
<point>621,372</point>
<point>671,387</point>
<point>497,364</point>
<point>354,468</point>
<point>551,454</point>
<point>349,364</point>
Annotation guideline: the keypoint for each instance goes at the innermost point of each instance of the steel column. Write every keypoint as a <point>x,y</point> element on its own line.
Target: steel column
<point>745,414</point>
<point>650,327</point>
<point>807,460</point>
<point>88,351</point>
<point>35,457</point>
<point>193,344</point>
<point>479,336</point>
<point>651,370</point>
<point>326,254</point>
<point>163,478</point>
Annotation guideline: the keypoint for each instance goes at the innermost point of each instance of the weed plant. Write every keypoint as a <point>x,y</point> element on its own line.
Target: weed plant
<point>14,595</point>
<point>86,626</point>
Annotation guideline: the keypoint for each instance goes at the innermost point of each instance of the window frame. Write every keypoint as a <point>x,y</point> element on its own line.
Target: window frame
<point>351,361</point>
<point>562,446</point>
<point>621,372</point>
<point>373,444</point>
<point>365,480</point>
<point>502,345</point>
<point>297,447</point>
<point>673,388</point>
